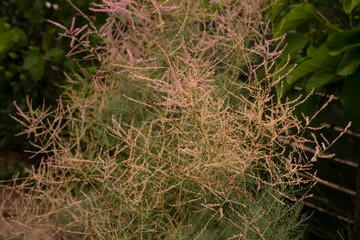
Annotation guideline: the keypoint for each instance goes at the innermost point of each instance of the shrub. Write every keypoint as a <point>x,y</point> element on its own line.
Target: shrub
<point>170,135</point>
<point>323,42</point>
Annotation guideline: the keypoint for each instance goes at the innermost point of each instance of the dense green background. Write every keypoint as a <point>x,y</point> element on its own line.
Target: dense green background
<point>323,41</point>
<point>32,59</point>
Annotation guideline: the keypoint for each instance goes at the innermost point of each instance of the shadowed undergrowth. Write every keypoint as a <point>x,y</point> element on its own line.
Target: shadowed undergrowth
<point>171,134</point>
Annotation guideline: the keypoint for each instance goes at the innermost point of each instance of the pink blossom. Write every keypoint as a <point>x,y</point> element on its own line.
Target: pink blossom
<point>140,60</point>
<point>130,55</point>
<point>102,10</point>
<point>77,31</point>
<point>169,8</point>
<point>72,42</point>
<point>57,24</point>
<point>72,24</point>
<point>21,112</point>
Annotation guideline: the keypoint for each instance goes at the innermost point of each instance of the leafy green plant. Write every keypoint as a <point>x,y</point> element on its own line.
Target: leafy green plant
<point>322,41</point>
<point>32,60</point>
<point>322,46</point>
<point>170,135</point>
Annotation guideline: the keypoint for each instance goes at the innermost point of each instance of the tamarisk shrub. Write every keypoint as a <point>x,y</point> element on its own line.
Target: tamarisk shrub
<point>170,133</point>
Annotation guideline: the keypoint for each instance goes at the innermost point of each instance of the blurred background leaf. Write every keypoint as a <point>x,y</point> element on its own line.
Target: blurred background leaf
<point>32,58</point>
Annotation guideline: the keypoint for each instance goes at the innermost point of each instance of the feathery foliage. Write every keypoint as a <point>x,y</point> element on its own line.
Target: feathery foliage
<point>171,134</point>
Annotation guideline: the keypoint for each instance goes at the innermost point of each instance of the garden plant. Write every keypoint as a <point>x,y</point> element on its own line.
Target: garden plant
<point>323,40</point>
<point>171,134</point>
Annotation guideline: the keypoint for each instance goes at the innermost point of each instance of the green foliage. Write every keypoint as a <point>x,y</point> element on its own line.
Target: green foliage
<point>168,136</point>
<point>326,56</point>
<point>58,54</point>
<point>343,41</point>
<point>34,63</point>
<point>297,15</point>
<point>317,60</point>
<point>349,5</point>
<point>19,37</point>
<point>350,62</point>
<point>323,39</point>
<point>32,60</point>
<point>274,226</point>
<point>295,42</point>
<point>5,43</point>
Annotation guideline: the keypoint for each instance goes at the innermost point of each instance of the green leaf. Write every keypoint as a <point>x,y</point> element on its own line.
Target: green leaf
<point>295,42</point>
<point>306,67</point>
<point>5,44</point>
<point>47,38</point>
<point>349,5</point>
<point>350,62</point>
<point>277,6</point>
<point>4,26</point>
<point>57,54</point>
<point>343,41</point>
<point>320,61</point>
<point>311,51</point>
<point>9,74</point>
<point>19,37</point>
<point>13,55</point>
<point>34,48</point>
<point>320,79</point>
<point>350,97</point>
<point>299,14</point>
<point>34,62</point>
